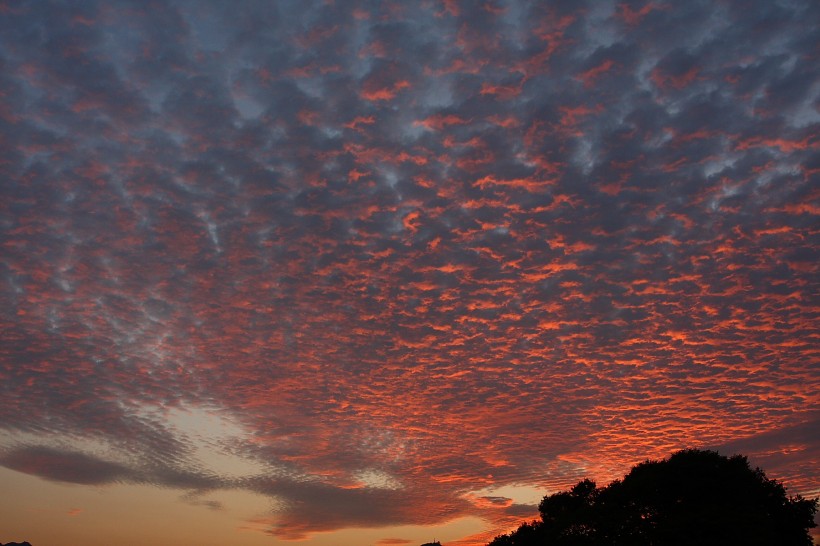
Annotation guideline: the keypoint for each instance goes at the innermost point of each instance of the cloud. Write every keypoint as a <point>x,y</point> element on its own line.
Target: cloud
<point>309,507</point>
<point>71,466</point>
<point>448,248</point>
<point>61,466</point>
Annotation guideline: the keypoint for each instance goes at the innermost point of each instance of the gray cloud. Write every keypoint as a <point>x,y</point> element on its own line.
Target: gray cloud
<point>518,240</point>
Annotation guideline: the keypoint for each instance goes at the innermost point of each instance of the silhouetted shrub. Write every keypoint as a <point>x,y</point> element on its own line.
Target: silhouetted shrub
<point>694,497</point>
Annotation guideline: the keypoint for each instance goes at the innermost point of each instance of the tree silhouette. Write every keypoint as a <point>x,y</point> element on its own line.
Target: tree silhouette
<point>694,497</point>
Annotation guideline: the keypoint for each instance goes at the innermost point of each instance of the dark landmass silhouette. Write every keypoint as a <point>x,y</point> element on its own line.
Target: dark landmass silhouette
<point>25,543</point>
<point>694,497</point>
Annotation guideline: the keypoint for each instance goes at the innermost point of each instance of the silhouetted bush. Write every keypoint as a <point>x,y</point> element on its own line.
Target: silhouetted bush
<point>693,498</point>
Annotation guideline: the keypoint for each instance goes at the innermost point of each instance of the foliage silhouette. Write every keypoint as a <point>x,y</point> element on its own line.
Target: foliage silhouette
<point>694,497</point>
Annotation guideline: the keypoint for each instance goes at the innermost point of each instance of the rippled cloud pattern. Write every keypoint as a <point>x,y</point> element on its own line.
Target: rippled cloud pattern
<point>378,261</point>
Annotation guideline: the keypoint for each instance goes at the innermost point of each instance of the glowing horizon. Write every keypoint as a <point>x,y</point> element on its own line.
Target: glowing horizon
<point>388,272</point>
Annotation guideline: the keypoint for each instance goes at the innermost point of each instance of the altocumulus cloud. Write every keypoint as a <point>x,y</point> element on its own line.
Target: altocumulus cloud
<point>407,252</point>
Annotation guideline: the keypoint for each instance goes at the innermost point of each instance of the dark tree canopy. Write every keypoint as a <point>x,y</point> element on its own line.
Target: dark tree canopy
<point>694,497</point>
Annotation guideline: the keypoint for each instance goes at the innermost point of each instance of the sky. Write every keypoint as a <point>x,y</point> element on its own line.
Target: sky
<point>379,273</point>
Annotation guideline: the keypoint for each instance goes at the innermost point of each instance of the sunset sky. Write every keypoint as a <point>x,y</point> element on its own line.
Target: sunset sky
<point>379,273</point>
